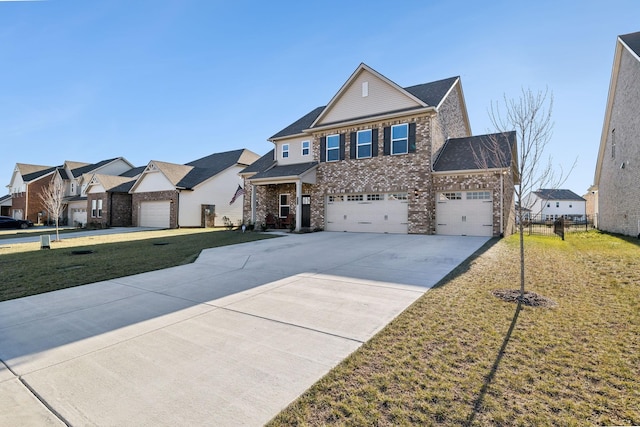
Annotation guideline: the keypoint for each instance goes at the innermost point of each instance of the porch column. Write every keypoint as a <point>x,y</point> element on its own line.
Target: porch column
<point>253,204</point>
<point>298,204</point>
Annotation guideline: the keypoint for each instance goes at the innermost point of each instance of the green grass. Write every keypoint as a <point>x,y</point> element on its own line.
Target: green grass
<point>460,356</point>
<point>27,270</point>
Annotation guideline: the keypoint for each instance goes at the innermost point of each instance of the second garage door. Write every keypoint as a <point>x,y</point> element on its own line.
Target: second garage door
<point>155,214</point>
<point>367,213</point>
<point>463,213</point>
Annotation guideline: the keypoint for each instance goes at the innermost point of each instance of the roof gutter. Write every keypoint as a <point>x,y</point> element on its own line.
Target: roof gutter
<point>372,119</point>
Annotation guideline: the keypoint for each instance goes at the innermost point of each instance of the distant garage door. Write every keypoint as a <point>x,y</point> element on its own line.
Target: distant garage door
<point>463,213</point>
<point>155,214</point>
<point>367,213</point>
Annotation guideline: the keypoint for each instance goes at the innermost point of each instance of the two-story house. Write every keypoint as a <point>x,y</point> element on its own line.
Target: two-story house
<point>386,159</point>
<point>27,182</point>
<point>551,204</point>
<point>616,189</point>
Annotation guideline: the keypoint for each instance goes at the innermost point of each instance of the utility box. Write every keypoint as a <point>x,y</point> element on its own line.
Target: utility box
<point>45,242</point>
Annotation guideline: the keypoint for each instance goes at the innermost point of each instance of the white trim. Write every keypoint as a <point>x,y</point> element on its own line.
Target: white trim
<point>326,148</point>
<point>391,139</point>
<point>302,148</point>
<point>285,151</point>
<point>280,205</point>
<point>358,144</point>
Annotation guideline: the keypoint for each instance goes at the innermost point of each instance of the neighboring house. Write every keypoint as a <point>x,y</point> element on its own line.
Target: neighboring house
<point>382,158</point>
<point>26,186</point>
<point>551,204</point>
<point>76,176</point>
<point>617,204</point>
<point>109,203</point>
<point>196,194</point>
<point>5,205</point>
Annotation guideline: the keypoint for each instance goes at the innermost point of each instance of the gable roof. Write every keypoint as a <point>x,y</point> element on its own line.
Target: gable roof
<point>557,194</point>
<point>109,182</point>
<point>27,169</point>
<point>458,154</point>
<point>38,174</point>
<point>425,95</point>
<point>172,171</point>
<point>134,172</point>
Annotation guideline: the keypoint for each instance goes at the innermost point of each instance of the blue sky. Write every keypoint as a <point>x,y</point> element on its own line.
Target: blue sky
<point>176,80</point>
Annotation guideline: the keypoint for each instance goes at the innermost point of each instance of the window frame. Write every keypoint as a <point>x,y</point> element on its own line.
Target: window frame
<point>308,148</point>
<point>365,144</point>
<point>99,208</point>
<point>335,149</point>
<point>282,206</point>
<point>94,208</point>
<point>285,151</point>
<point>394,140</point>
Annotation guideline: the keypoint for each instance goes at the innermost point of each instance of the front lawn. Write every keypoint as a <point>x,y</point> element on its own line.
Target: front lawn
<point>461,356</point>
<point>28,270</point>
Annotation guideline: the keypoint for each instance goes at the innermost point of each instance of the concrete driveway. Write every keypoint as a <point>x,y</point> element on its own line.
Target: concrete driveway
<point>229,340</point>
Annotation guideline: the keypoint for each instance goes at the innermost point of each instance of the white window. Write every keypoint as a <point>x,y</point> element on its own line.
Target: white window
<point>100,208</point>
<point>284,205</point>
<point>306,148</point>
<point>333,148</point>
<point>363,144</point>
<point>400,139</point>
<point>285,151</point>
<point>450,196</point>
<point>73,188</point>
<point>557,204</point>
<point>94,208</point>
<point>478,195</point>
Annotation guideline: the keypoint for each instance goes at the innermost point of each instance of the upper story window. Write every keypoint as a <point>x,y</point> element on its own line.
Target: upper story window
<point>363,144</point>
<point>613,144</point>
<point>306,148</point>
<point>285,151</point>
<point>73,188</point>
<point>333,148</point>
<point>557,204</point>
<point>400,139</point>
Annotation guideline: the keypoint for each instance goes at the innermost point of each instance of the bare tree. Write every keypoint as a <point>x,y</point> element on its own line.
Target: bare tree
<point>530,117</point>
<point>52,197</point>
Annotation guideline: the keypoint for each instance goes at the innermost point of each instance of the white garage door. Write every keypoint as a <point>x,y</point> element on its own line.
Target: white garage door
<point>155,214</point>
<point>370,213</point>
<point>78,216</point>
<point>467,213</point>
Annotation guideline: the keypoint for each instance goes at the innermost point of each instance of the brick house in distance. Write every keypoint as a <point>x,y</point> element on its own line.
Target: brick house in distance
<point>616,189</point>
<point>27,182</point>
<point>385,159</point>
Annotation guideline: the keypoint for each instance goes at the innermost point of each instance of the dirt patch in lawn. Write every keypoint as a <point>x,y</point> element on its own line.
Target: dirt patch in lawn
<point>531,299</point>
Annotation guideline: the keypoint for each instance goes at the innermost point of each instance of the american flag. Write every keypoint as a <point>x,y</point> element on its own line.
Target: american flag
<point>239,192</point>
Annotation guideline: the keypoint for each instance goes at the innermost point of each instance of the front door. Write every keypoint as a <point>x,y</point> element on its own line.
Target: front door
<point>306,211</point>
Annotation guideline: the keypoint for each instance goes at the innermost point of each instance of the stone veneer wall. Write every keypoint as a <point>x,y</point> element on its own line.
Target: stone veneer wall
<point>103,220</point>
<point>618,188</point>
<point>138,198</point>
<point>450,121</point>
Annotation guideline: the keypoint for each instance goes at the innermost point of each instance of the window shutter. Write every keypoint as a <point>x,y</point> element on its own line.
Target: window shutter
<point>323,149</point>
<point>412,137</point>
<point>354,143</point>
<point>387,141</point>
<point>342,138</point>
<point>374,142</point>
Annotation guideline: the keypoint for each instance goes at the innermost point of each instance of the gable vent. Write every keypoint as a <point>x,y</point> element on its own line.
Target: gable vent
<point>365,89</point>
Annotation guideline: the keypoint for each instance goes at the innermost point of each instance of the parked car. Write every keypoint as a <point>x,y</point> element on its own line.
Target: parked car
<point>8,222</point>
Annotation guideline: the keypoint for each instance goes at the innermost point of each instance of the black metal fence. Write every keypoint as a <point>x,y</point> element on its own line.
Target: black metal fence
<point>559,227</point>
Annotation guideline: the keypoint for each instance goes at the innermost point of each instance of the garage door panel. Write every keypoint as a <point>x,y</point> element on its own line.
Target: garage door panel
<point>383,213</point>
<point>155,214</point>
<point>464,213</point>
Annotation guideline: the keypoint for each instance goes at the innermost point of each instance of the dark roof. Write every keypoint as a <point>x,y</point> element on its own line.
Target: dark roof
<point>286,170</point>
<point>124,187</point>
<point>557,194</point>
<point>5,197</point>
<point>633,41</point>
<point>301,124</point>
<point>467,153</point>
<point>88,168</point>
<point>262,164</point>
<point>132,173</point>
<point>36,175</point>
<point>209,166</point>
<point>63,173</point>
<point>429,93</point>
<point>432,93</point>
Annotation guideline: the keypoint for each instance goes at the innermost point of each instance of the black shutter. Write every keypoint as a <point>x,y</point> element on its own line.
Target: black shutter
<point>342,138</point>
<point>374,142</point>
<point>387,141</point>
<point>412,137</point>
<point>323,149</point>
<point>352,148</point>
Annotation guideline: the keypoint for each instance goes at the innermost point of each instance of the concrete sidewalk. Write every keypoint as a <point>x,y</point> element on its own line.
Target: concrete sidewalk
<point>229,340</point>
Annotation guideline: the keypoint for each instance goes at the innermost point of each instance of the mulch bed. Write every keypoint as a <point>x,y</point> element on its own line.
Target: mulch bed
<point>530,298</point>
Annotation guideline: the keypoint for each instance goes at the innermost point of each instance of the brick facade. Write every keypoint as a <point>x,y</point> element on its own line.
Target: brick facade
<point>170,195</point>
<point>116,209</point>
